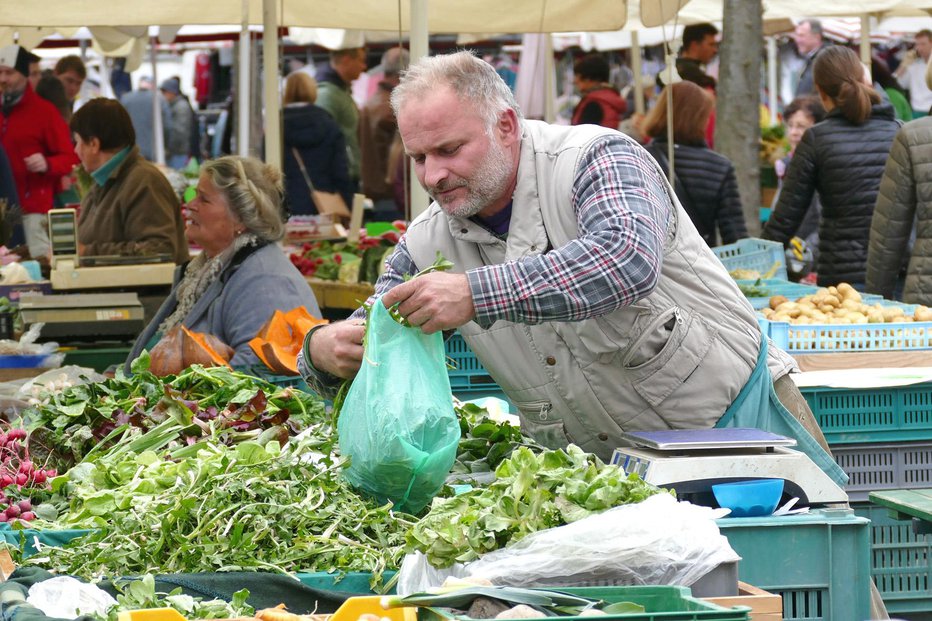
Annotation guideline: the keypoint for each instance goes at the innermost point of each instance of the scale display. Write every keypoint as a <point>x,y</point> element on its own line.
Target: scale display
<point>63,232</point>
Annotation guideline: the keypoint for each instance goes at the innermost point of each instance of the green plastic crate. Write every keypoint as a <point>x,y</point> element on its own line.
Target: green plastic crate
<point>660,602</point>
<point>901,561</point>
<point>350,582</point>
<point>858,415</point>
<point>818,562</point>
<point>467,372</point>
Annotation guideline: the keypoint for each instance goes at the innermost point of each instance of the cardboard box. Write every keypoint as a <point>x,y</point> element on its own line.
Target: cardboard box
<point>764,606</point>
<point>13,292</point>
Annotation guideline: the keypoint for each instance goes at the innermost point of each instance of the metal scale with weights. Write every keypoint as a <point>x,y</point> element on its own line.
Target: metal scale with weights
<point>692,460</point>
<point>91,307</point>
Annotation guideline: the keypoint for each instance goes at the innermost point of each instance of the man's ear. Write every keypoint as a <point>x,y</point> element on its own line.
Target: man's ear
<point>509,127</point>
<point>94,144</point>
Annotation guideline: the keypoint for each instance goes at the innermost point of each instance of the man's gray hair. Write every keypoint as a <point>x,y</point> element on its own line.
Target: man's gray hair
<point>815,26</point>
<point>253,191</point>
<point>395,60</point>
<point>472,79</point>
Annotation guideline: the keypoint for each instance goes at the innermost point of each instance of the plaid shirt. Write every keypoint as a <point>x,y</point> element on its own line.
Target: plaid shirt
<point>623,214</point>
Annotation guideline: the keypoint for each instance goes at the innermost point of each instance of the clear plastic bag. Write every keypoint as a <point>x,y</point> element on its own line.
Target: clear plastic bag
<point>655,542</point>
<point>397,423</point>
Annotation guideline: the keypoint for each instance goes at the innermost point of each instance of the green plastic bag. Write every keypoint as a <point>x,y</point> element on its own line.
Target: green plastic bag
<point>397,423</point>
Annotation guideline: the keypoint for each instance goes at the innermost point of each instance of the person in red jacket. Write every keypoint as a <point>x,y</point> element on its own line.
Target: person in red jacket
<point>37,142</point>
<point>601,103</point>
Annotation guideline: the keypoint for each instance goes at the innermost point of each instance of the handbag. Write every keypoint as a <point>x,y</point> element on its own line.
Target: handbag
<point>327,203</point>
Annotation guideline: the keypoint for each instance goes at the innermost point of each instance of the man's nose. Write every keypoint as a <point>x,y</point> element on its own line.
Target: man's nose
<point>434,171</point>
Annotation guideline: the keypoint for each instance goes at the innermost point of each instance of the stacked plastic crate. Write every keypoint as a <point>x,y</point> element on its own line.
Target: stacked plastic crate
<point>882,438</point>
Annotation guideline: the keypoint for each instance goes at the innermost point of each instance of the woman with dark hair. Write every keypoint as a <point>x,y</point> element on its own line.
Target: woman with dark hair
<point>802,113</point>
<point>842,159</point>
<point>52,90</point>
<point>705,181</point>
<point>130,208</point>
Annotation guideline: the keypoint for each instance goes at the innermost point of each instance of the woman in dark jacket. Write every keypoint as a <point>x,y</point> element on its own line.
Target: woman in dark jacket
<point>319,142</point>
<point>842,158</point>
<point>705,180</point>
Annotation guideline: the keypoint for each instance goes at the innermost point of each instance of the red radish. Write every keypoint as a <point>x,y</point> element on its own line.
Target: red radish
<point>27,516</point>
<point>21,479</point>
<point>25,505</point>
<point>12,511</point>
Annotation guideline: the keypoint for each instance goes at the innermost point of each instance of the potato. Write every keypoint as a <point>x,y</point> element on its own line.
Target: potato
<point>922,313</point>
<point>851,305</point>
<point>777,300</point>
<point>833,290</point>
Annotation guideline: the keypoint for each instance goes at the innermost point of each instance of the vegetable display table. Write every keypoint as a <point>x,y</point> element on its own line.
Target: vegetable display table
<point>915,504</point>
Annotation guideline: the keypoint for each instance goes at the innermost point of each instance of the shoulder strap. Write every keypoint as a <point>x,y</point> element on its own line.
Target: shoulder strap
<point>307,178</point>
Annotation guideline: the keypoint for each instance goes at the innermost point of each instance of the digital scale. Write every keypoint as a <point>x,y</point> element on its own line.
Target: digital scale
<point>73,272</point>
<point>690,461</point>
<point>84,316</point>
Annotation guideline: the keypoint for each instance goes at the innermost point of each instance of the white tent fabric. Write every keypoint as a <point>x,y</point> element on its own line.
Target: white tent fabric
<point>444,16</point>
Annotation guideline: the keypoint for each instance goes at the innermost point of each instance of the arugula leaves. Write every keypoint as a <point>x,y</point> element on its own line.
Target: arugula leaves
<point>531,492</point>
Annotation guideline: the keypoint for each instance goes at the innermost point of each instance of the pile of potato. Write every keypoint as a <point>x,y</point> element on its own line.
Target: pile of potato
<point>841,304</point>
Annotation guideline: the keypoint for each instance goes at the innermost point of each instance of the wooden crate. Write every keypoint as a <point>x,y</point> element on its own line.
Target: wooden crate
<point>333,294</point>
<point>764,606</point>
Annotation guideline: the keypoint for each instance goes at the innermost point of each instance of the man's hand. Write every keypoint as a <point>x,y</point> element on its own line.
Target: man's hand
<point>337,348</point>
<point>436,301</point>
<point>36,163</point>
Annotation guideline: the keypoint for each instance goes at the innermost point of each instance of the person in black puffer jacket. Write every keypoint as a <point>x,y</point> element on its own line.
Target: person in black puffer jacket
<point>320,143</point>
<point>705,180</point>
<point>842,158</point>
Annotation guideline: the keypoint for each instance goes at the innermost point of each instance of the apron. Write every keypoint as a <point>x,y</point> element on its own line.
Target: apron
<point>758,406</point>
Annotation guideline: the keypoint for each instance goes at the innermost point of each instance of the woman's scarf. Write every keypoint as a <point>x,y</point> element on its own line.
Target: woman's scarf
<point>201,272</point>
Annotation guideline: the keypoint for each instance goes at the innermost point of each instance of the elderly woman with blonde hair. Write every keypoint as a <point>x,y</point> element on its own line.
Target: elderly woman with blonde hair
<point>314,145</point>
<point>241,275</point>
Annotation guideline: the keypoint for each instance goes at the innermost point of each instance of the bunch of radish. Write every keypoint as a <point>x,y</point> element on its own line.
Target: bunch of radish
<point>20,477</point>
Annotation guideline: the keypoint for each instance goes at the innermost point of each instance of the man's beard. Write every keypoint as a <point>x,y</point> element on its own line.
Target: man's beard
<point>485,187</point>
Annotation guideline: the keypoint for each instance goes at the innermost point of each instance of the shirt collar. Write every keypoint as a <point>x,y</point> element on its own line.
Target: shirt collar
<point>103,173</point>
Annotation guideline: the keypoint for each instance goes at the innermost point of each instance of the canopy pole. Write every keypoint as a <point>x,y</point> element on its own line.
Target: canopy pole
<point>243,86</point>
<point>420,47</point>
<point>158,137</point>
<point>772,88</point>
<point>636,69</point>
<point>273,135</point>
<point>550,82</point>
<point>866,42</point>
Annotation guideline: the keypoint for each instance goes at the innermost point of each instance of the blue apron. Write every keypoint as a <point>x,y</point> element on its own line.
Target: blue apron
<point>758,406</point>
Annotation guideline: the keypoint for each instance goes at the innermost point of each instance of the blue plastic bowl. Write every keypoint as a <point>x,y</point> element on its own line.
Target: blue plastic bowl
<point>749,498</point>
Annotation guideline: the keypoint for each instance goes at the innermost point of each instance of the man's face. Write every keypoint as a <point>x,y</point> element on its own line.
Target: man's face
<point>706,49</point>
<point>353,65</point>
<point>923,47</point>
<point>11,80</point>
<point>72,83</point>
<point>806,40</point>
<point>462,168</point>
<point>35,74</point>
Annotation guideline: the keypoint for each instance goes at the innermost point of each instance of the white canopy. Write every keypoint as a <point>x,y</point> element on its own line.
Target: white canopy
<point>444,16</point>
